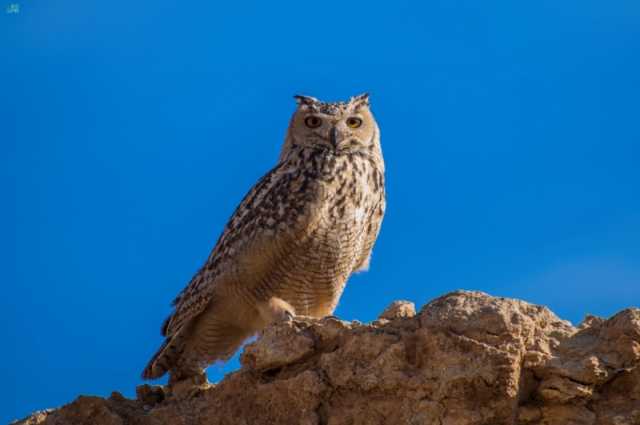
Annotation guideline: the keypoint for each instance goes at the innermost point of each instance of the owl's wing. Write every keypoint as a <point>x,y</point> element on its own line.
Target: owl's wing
<point>373,229</point>
<point>275,213</point>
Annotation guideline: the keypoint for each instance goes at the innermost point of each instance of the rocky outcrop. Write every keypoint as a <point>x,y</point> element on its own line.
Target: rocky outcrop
<point>466,358</point>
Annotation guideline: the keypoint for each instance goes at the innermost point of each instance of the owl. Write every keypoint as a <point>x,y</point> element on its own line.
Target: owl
<point>290,246</point>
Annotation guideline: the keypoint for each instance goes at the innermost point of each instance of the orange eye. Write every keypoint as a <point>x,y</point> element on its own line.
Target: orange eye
<point>312,122</point>
<point>354,122</point>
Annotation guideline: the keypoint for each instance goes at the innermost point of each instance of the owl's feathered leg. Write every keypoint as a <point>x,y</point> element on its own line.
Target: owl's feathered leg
<point>212,336</point>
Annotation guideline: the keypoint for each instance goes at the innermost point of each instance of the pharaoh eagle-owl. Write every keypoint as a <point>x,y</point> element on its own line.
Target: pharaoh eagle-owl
<point>290,246</point>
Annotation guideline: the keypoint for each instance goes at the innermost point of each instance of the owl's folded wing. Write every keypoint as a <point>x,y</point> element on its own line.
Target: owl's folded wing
<point>372,231</point>
<point>275,213</point>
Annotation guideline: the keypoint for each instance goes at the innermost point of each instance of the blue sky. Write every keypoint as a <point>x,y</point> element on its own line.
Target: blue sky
<point>130,131</point>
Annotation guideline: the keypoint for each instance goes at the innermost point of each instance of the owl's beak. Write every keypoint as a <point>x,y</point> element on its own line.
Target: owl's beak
<point>333,137</point>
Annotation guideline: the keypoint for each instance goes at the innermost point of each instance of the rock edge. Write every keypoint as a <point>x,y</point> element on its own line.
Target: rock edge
<point>466,358</point>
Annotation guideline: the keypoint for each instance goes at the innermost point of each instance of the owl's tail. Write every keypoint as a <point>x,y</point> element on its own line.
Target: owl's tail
<point>165,358</point>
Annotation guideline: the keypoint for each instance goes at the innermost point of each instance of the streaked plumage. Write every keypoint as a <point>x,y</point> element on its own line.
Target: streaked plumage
<point>291,245</point>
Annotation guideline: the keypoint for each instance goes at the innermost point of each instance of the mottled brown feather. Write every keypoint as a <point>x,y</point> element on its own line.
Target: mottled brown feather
<point>291,244</point>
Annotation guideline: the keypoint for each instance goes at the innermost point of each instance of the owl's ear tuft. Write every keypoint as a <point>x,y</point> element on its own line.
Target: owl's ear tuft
<point>359,101</point>
<point>305,100</point>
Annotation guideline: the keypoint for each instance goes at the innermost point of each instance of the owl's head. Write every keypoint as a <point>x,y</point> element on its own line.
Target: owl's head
<point>341,127</point>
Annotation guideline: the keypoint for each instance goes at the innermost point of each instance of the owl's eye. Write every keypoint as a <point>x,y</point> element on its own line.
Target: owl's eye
<point>354,122</point>
<point>312,122</point>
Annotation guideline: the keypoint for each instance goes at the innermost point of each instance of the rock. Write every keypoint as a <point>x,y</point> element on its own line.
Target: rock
<point>36,418</point>
<point>465,359</point>
<point>559,389</point>
<point>398,310</point>
<point>278,346</point>
<point>84,410</point>
<point>150,395</point>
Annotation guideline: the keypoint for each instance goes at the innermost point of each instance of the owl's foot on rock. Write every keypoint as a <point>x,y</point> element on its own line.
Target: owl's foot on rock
<point>276,310</point>
<point>287,316</point>
<point>189,387</point>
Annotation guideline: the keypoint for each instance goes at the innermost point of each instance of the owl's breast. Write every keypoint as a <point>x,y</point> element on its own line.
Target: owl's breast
<point>351,197</point>
<point>342,194</point>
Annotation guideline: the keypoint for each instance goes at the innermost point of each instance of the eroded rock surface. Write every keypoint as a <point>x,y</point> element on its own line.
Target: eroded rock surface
<point>466,358</point>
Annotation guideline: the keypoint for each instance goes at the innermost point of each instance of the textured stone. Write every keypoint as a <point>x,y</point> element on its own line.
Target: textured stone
<point>398,310</point>
<point>465,359</point>
<point>279,346</point>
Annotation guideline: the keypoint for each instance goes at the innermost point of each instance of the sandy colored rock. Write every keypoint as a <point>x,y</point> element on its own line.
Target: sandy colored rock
<point>36,418</point>
<point>398,310</point>
<point>279,346</point>
<point>465,359</point>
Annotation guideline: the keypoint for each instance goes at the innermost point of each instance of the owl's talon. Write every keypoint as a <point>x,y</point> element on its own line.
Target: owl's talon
<point>288,316</point>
